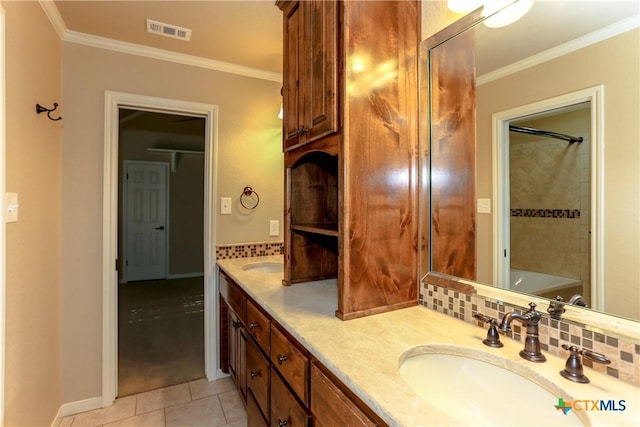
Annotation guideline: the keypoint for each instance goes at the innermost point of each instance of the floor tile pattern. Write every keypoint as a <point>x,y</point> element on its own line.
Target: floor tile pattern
<point>198,403</point>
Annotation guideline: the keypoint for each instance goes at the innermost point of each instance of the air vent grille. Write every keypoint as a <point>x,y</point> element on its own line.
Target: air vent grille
<point>167,30</point>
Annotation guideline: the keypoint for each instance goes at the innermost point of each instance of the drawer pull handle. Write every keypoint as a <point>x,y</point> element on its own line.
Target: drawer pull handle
<point>253,325</point>
<point>254,374</point>
<point>282,423</point>
<point>281,359</point>
<point>235,324</point>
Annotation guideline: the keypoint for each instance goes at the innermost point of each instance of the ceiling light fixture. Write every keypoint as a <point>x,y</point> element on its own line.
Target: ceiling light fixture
<point>500,12</point>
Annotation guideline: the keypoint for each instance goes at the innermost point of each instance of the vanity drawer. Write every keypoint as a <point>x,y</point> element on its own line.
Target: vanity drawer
<point>235,297</point>
<point>254,416</point>
<point>285,409</point>
<point>258,325</point>
<point>291,362</point>
<point>258,373</point>
<point>331,407</point>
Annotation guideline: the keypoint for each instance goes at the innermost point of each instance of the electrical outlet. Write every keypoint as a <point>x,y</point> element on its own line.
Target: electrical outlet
<point>484,205</point>
<point>274,227</point>
<point>225,206</point>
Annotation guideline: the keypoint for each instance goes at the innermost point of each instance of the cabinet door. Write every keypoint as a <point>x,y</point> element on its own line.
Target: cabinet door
<point>320,78</point>
<point>233,326</point>
<point>310,75</point>
<point>291,99</point>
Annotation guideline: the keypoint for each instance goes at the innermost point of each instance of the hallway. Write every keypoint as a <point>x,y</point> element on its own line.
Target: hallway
<point>160,334</point>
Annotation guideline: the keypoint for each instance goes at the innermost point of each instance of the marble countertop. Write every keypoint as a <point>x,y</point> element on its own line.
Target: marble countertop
<point>365,353</point>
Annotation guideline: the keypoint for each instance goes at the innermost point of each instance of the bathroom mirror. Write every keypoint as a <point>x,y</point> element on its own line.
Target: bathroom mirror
<point>495,199</point>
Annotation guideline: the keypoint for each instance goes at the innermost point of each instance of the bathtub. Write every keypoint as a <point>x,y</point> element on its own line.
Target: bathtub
<point>531,282</point>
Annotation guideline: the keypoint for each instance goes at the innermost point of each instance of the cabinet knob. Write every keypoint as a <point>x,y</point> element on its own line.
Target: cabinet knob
<point>303,130</point>
<point>235,324</point>
<point>254,374</point>
<point>282,423</point>
<point>253,325</point>
<point>281,359</point>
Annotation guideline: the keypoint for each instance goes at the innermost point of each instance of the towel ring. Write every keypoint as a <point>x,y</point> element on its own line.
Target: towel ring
<point>247,194</point>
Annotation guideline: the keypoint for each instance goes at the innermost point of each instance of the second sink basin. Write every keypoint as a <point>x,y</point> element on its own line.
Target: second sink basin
<point>476,388</point>
<point>265,267</point>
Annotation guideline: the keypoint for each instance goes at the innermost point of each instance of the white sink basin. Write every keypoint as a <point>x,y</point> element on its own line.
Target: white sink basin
<point>265,267</point>
<point>472,388</point>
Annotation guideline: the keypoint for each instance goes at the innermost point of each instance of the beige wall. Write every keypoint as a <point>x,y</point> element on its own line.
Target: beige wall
<point>33,152</point>
<point>613,64</point>
<point>249,153</point>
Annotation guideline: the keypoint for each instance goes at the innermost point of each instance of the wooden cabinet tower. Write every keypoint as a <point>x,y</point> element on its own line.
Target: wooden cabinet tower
<point>350,136</point>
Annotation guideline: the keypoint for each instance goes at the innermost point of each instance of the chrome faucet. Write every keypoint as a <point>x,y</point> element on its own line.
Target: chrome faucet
<point>530,319</point>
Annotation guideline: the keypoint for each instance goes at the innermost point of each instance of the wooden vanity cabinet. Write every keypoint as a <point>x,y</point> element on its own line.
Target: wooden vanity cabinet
<point>350,192</point>
<point>278,379</point>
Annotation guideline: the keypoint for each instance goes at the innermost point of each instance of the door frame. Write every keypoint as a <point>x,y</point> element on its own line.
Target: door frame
<point>501,237</point>
<point>125,242</point>
<point>3,252</point>
<point>113,102</point>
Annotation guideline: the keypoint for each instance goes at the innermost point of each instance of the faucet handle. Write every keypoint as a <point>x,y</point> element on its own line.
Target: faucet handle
<point>573,369</point>
<point>493,337</point>
<point>556,308</point>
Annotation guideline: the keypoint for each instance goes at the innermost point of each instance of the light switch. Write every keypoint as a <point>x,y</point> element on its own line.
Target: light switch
<point>11,206</point>
<point>484,205</point>
<point>274,227</point>
<point>225,206</point>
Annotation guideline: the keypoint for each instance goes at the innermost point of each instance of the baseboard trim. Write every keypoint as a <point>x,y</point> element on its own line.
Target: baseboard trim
<point>77,407</point>
<point>185,275</point>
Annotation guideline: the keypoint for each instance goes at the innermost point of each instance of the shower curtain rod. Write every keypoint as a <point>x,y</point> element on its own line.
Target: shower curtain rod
<point>533,131</point>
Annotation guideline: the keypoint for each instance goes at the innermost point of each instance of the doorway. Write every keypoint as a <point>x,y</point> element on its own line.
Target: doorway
<point>160,290</point>
<point>549,183</point>
<point>113,273</point>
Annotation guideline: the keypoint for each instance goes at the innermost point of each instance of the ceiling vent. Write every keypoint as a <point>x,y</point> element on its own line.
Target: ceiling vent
<point>167,30</point>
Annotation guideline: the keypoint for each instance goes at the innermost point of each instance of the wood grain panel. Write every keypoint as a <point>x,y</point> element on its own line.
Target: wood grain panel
<point>379,221</point>
<point>453,158</point>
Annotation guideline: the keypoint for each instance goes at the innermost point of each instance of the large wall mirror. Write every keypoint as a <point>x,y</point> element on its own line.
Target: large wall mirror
<point>530,138</point>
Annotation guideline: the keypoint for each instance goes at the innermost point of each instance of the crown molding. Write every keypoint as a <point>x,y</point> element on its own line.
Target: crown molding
<point>69,36</point>
<point>613,30</point>
<point>50,9</point>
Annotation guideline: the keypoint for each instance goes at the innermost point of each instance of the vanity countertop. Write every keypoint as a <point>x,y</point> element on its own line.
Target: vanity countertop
<point>364,353</point>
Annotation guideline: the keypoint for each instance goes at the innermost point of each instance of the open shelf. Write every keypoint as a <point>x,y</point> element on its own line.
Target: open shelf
<point>324,229</point>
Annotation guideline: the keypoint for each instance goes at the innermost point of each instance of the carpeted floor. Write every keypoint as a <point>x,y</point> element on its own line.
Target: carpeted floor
<point>160,334</point>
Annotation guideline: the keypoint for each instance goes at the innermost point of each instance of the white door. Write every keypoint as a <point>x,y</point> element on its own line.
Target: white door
<point>145,220</point>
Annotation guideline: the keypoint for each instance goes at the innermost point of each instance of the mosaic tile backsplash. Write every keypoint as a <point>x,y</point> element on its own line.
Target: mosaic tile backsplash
<point>625,356</point>
<point>247,250</point>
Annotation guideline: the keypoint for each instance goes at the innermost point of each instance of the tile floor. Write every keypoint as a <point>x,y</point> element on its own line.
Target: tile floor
<point>198,403</point>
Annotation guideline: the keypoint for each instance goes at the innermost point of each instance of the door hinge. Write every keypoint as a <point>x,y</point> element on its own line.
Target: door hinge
<point>116,264</point>
<point>505,253</point>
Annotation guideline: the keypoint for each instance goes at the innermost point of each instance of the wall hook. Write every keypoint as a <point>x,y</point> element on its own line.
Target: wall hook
<point>41,109</point>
